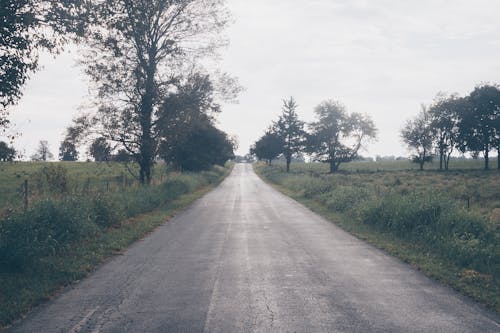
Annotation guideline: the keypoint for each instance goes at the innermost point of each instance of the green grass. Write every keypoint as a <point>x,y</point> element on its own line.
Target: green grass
<point>123,218</point>
<point>82,176</point>
<point>420,217</point>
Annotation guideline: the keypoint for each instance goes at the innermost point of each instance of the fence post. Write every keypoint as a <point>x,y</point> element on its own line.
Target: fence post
<point>26,194</point>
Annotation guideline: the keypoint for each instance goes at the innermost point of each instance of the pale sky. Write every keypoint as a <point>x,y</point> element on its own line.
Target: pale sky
<point>379,57</point>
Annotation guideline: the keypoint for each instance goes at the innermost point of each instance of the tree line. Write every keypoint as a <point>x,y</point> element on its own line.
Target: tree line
<point>152,96</point>
<point>336,136</point>
<point>452,123</point>
<point>467,124</point>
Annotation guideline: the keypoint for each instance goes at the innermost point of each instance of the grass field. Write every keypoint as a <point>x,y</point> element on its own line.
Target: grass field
<point>81,176</point>
<point>444,223</point>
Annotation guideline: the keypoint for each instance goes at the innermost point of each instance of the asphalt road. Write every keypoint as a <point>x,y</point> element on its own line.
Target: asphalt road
<point>245,258</point>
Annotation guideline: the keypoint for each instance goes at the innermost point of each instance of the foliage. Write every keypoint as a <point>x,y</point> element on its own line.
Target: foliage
<point>100,150</point>
<point>445,114</point>
<point>268,147</point>
<point>418,135</point>
<point>290,130</point>
<point>198,148</point>
<point>337,136</point>
<point>51,178</point>
<point>138,51</point>
<point>6,153</point>
<point>51,226</point>
<point>67,151</point>
<point>480,122</point>
<point>27,27</point>
<point>42,153</point>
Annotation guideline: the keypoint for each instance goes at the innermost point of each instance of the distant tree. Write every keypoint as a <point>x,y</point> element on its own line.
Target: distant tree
<point>480,122</point>
<point>100,150</point>
<point>418,135</point>
<point>7,153</point>
<point>338,136</point>
<point>42,153</point>
<point>26,28</point>
<point>290,130</point>
<point>268,147</point>
<point>199,148</point>
<point>122,156</point>
<point>445,116</point>
<point>67,151</point>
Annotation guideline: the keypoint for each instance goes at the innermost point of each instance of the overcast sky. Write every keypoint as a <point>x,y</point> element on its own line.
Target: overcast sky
<point>379,57</point>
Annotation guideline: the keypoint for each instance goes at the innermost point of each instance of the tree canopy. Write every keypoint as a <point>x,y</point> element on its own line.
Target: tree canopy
<point>338,136</point>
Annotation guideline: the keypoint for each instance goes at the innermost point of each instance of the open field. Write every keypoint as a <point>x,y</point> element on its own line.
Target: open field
<point>80,177</point>
<point>60,239</point>
<point>445,223</point>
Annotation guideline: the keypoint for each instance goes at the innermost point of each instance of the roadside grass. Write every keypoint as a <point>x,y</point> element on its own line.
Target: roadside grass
<point>30,282</point>
<point>420,217</point>
<point>81,177</point>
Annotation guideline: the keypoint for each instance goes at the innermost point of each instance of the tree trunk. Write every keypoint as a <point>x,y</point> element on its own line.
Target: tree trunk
<point>486,158</point>
<point>422,165</point>
<point>288,161</point>
<point>146,148</point>
<point>498,157</point>
<point>333,167</point>
<point>441,158</point>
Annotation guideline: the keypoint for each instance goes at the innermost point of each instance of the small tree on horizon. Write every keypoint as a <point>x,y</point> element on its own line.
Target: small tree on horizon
<point>42,153</point>
<point>418,135</point>
<point>290,130</point>
<point>67,151</point>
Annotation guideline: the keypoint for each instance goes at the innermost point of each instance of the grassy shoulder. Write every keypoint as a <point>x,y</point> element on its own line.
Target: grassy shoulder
<point>462,253</point>
<point>25,286</point>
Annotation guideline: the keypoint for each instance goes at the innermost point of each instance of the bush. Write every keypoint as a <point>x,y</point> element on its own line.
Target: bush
<point>51,226</point>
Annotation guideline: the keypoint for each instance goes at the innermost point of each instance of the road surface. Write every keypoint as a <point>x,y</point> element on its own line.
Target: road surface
<point>245,258</point>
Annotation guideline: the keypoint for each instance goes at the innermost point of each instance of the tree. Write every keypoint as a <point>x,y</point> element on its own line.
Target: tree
<point>445,115</point>
<point>290,130</point>
<point>199,148</point>
<point>137,52</point>
<point>28,27</point>
<point>122,156</point>
<point>268,147</point>
<point>42,153</point>
<point>418,135</point>
<point>100,150</point>
<point>7,154</point>
<point>337,136</point>
<point>67,151</point>
<point>480,122</point>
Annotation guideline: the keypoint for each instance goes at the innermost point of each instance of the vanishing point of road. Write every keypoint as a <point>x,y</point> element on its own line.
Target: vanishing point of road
<point>245,258</point>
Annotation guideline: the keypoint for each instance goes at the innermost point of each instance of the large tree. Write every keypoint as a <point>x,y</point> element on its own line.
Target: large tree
<point>290,129</point>
<point>445,116</point>
<point>137,51</point>
<point>338,136</point>
<point>28,27</point>
<point>418,135</point>
<point>268,147</point>
<point>480,122</point>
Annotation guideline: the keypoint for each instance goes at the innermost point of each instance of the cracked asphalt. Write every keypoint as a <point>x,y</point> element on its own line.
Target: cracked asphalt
<point>245,258</point>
